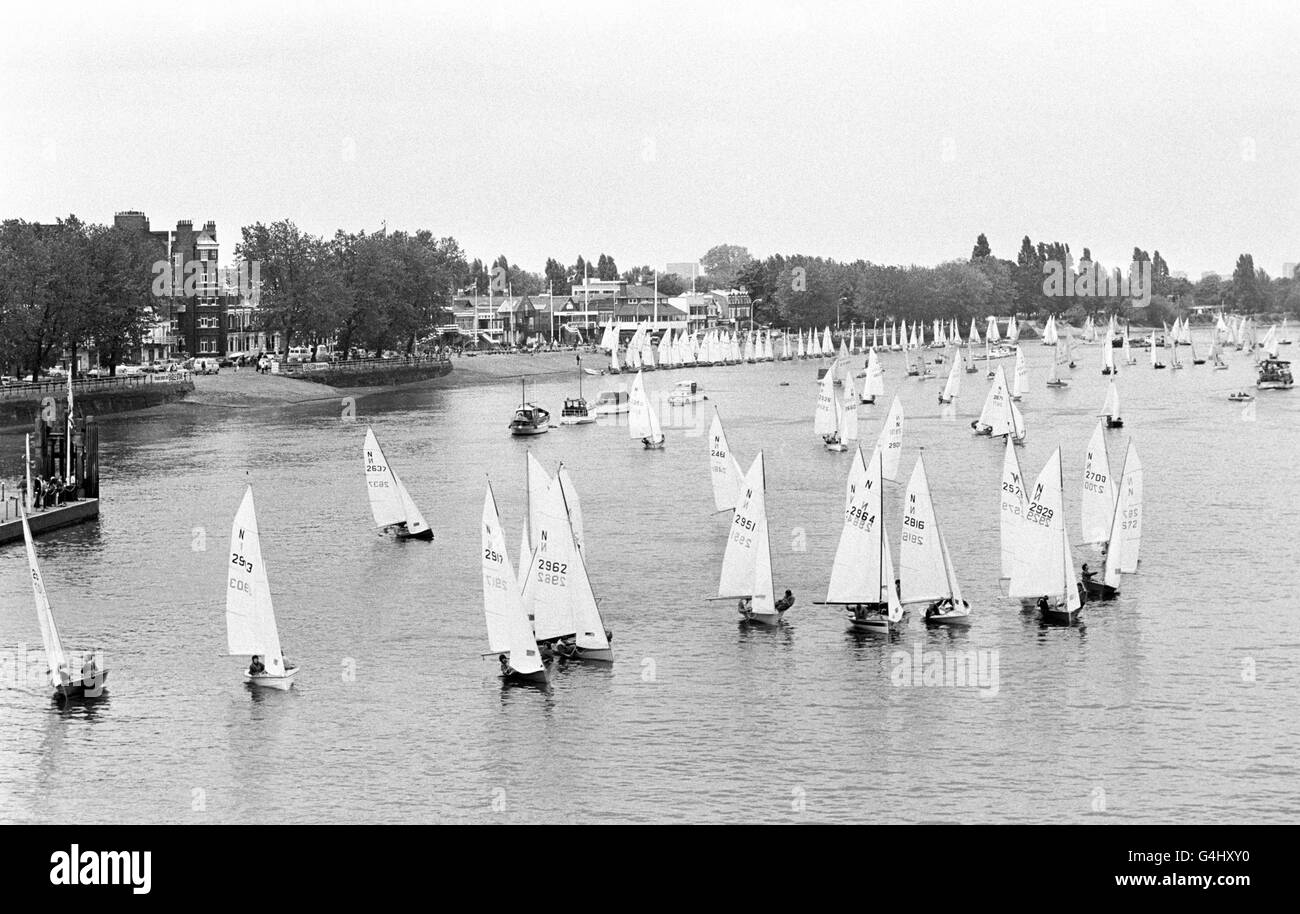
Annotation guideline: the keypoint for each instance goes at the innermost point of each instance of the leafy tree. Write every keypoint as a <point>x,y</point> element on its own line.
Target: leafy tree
<point>981,248</point>
<point>723,262</point>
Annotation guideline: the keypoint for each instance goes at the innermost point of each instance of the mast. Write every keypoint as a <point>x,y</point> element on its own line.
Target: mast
<point>29,471</point>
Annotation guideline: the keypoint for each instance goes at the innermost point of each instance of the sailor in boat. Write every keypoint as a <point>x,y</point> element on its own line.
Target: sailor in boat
<point>942,607</point>
<point>785,602</point>
<point>256,668</point>
<point>981,429</point>
<point>745,605</point>
<point>1087,575</point>
<point>565,650</point>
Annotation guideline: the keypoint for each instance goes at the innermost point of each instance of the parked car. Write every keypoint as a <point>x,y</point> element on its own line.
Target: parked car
<point>300,354</point>
<point>203,366</point>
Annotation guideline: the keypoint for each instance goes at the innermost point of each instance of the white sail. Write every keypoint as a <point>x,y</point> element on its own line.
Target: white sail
<point>55,656</point>
<point>741,555</point>
<point>858,574</point>
<point>825,417</point>
<point>1130,513</point>
<point>974,333</point>
<point>1043,565</point>
<point>999,413</point>
<point>991,332</point>
<point>385,500</point>
<point>953,384</point>
<point>857,473</point>
<point>828,345</point>
<point>1097,503</point>
<point>1013,330</point>
<point>890,441</point>
<point>642,420</point>
<point>250,617</point>
<point>1154,361</point>
<point>415,522</point>
<point>1111,407</point>
<point>921,569</point>
<point>849,413</point>
<point>507,624</point>
<point>874,385</point>
<point>549,575</point>
<point>1011,511</point>
<point>1107,356</point>
<point>1020,376</point>
<point>589,626</point>
<point>538,481</point>
<point>723,468</point>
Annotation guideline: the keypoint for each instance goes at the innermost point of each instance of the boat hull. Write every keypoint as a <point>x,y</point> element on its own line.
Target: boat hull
<point>526,431</point>
<point>578,420</point>
<point>602,655</point>
<point>537,678</point>
<point>425,535</point>
<point>267,681</point>
<point>78,689</point>
<point>1099,590</point>
<point>770,620</point>
<point>955,617</point>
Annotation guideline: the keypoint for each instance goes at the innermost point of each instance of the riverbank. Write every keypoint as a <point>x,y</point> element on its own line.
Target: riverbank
<point>98,398</point>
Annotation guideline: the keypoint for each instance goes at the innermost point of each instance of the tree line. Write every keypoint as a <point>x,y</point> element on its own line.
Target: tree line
<point>66,285</point>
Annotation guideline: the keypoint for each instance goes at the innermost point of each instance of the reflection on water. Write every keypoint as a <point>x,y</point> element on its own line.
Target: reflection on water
<point>395,717</point>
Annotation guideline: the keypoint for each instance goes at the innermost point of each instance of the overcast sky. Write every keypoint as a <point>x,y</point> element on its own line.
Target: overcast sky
<point>893,132</point>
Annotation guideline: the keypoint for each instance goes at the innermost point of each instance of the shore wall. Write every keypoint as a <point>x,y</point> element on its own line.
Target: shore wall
<point>375,375</point>
<point>21,412</point>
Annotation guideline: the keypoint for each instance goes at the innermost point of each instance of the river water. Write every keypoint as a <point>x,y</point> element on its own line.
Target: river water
<point>1175,703</point>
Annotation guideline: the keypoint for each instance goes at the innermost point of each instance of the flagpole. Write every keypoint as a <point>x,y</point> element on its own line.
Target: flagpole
<point>29,472</point>
<point>67,464</point>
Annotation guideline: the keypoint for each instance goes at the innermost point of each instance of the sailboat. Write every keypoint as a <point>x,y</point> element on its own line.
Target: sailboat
<point>953,384</point>
<point>1108,358</point>
<point>873,384</point>
<point>1156,361</point>
<point>71,676</point>
<point>828,419</point>
<point>510,635</point>
<point>747,562</point>
<point>642,420</point>
<point>1019,376</point>
<point>862,575</point>
<point>557,592</point>
<point>1126,350</point>
<point>1124,531</point>
<point>1216,357</point>
<point>390,503</point>
<point>925,568</point>
<point>1055,380</point>
<point>723,468</point>
<point>1050,334</point>
<point>1098,494</point>
<point>1000,415</point>
<point>890,440</point>
<point>250,617</point>
<point>1043,565</point>
<point>1110,409</point>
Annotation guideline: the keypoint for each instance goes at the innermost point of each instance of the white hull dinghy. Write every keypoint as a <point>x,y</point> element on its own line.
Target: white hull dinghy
<point>250,616</point>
